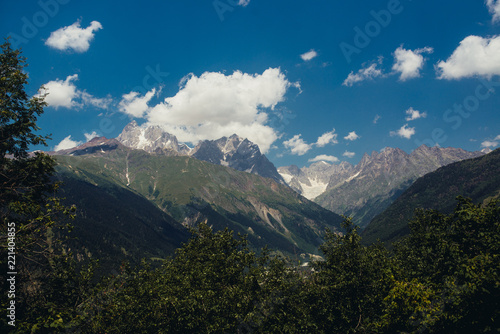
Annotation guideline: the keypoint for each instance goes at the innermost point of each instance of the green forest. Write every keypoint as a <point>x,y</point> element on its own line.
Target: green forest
<point>442,278</point>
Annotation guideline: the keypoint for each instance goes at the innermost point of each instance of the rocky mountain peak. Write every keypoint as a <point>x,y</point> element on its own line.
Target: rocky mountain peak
<point>237,153</point>
<point>152,139</point>
<point>234,151</point>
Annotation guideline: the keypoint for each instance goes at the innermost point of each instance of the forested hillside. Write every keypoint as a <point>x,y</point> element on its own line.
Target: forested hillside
<point>478,179</point>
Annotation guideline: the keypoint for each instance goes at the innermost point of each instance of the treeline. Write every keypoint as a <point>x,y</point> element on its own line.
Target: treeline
<point>443,278</point>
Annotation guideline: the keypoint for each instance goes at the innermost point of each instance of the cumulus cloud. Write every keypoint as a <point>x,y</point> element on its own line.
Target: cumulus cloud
<point>408,62</point>
<point>324,157</point>
<point>348,154</point>
<point>491,143</point>
<point>475,56</point>
<point>414,114</point>
<point>67,143</point>
<point>243,3</point>
<point>494,8</point>
<point>367,73</point>
<point>64,93</point>
<point>134,105</point>
<point>404,132</point>
<point>297,145</point>
<point>214,105</point>
<point>376,119</point>
<point>327,138</point>
<point>309,55</point>
<point>352,136</point>
<point>73,37</point>
<point>61,93</point>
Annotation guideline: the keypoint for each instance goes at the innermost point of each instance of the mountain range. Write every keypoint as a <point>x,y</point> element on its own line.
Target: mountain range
<point>235,152</point>
<point>477,179</point>
<point>227,182</point>
<point>365,190</point>
<point>188,191</point>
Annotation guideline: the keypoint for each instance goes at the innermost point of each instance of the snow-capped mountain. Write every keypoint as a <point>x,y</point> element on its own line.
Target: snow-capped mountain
<point>238,153</point>
<point>312,181</point>
<point>235,152</point>
<point>152,139</point>
<point>369,187</point>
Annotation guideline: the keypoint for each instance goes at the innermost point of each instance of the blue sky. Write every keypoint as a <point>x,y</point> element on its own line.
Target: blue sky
<point>306,80</point>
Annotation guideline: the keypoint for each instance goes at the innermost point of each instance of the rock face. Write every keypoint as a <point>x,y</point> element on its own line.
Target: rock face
<point>152,139</point>
<point>235,152</point>
<point>238,153</point>
<point>374,183</point>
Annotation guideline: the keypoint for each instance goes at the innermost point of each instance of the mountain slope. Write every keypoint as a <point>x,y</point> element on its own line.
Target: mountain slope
<point>379,179</point>
<point>477,178</point>
<point>191,191</point>
<point>115,224</point>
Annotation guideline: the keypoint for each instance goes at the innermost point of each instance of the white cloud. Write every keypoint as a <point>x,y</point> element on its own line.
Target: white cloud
<point>494,8</point>
<point>134,105</point>
<point>489,144</point>
<point>404,132</point>
<point>67,143</point>
<point>366,73</point>
<point>215,105</point>
<point>408,62</point>
<point>324,157</point>
<point>475,56</point>
<point>309,55</point>
<point>61,93</point>
<point>414,114</point>
<point>327,138</point>
<point>349,154</point>
<point>73,37</point>
<point>297,145</point>
<point>352,136</point>
<point>90,136</point>
<point>64,93</point>
<point>376,119</point>
<point>243,3</point>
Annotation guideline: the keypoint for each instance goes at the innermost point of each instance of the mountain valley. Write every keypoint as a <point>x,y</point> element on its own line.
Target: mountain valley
<point>190,191</point>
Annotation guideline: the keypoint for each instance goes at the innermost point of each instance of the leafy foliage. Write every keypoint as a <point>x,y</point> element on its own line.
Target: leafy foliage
<point>46,283</point>
<point>214,284</point>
